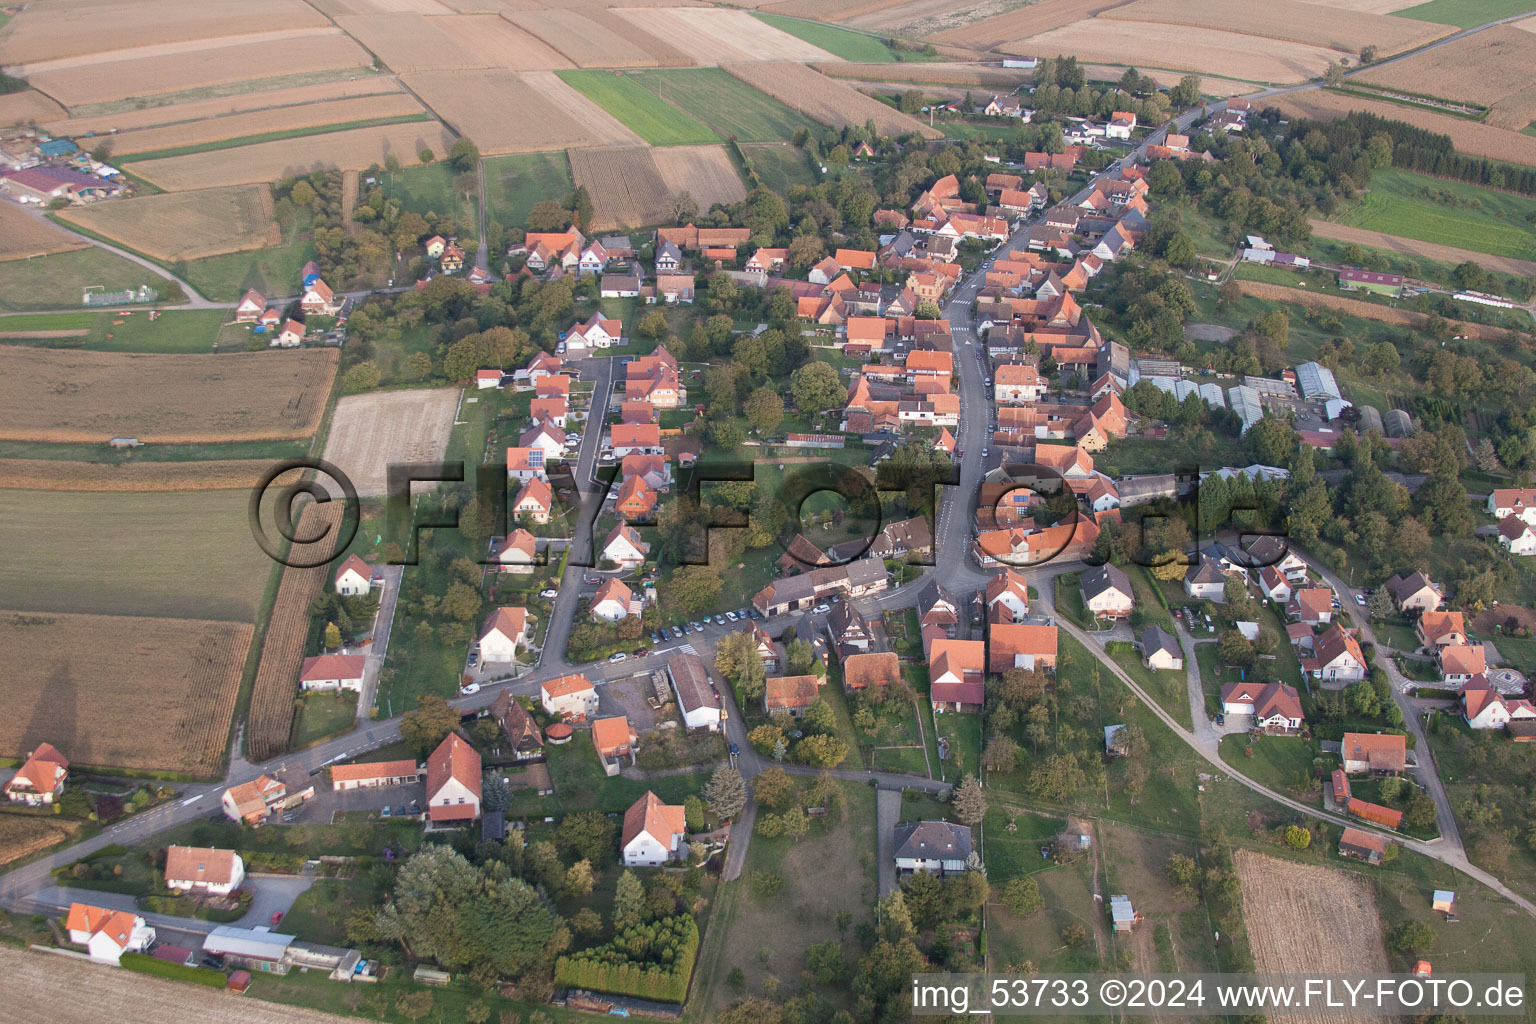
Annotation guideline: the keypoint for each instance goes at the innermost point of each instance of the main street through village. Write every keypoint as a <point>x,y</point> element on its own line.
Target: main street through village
<point>953,567</point>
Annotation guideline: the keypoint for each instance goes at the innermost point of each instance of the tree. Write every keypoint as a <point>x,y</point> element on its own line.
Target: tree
<point>773,788</point>
<point>684,207</point>
<point>1022,895</point>
<point>589,835</point>
<point>1333,74</point>
<point>1234,648</point>
<point>819,717</point>
<point>1001,754</point>
<point>548,215</point>
<point>970,803</point>
<point>1420,812</point>
<point>822,751</point>
<point>302,194</point>
<point>578,880</point>
<point>765,411</point>
<point>816,387</point>
<point>694,588</point>
<point>1186,93</point>
<point>726,792</point>
<point>910,102</point>
<point>432,720</point>
<point>1367,54</point>
<point>365,376</point>
<point>464,155</point>
<point>927,309</point>
<point>825,961</point>
<point>1297,838</point>
<point>629,906</point>
<point>804,251</point>
<point>426,156</point>
<point>1410,938</point>
<point>1183,871</point>
<point>332,635</point>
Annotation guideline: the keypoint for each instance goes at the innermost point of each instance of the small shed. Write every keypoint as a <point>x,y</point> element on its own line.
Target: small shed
<point>558,733</point>
<point>1114,740</point>
<point>125,442</point>
<point>238,982</point>
<point>1421,969</point>
<point>431,976</point>
<point>1444,901</point>
<point>1122,913</point>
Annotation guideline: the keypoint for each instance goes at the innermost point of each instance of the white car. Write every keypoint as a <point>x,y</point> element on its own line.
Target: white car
<point>620,656</point>
<point>469,688</point>
<point>549,595</point>
<point>822,609</point>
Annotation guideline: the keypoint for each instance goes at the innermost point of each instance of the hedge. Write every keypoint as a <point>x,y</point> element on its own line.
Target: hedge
<point>610,969</point>
<point>146,964</point>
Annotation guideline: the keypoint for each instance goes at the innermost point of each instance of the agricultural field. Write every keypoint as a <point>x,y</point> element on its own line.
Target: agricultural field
<point>824,10</point>
<point>1490,69</point>
<point>54,395</point>
<point>1333,908</point>
<point>780,165</point>
<point>370,432</point>
<point>412,42</point>
<point>57,281</point>
<point>599,38</point>
<point>123,691</point>
<point>27,107</point>
<point>1468,136</point>
<point>1295,21</point>
<point>1464,13</point>
<point>270,271</point>
<point>719,35</point>
<point>23,234</point>
<point>513,184</point>
<point>1368,6</point>
<point>1133,862</point>
<point>727,105</point>
<point>270,720</point>
<point>175,226</point>
<point>1446,213</point>
<point>1419,250</point>
<point>660,124</point>
<point>706,172</point>
<point>268,161</point>
<point>551,115</point>
<point>828,101</point>
<point>256,123</point>
<point>841,42</point>
<point>180,330</point>
<point>49,31</point>
<point>986,26</point>
<point>60,475</point>
<point>934,74</point>
<point>123,74</point>
<point>22,835</point>
<point>625,184</point>
<point>1209,50</point>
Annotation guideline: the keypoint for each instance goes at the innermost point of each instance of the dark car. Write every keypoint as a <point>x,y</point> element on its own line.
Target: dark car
<point>735,750</point>
<point>213,962</point>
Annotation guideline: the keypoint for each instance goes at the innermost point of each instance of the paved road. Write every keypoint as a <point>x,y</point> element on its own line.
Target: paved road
<point>382,625</point>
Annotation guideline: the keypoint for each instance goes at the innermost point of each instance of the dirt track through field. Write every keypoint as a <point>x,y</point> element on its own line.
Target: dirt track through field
<point>1421,250</point>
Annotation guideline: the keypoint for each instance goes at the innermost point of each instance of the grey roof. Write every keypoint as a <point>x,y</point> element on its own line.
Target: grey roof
<point>866,572</point>
<point>933,840</point>
<point>256,943</point>
<point>1136,488</point>
<point>1266,550</point>
<point>932,593</point>
<point>1316,380</point>
<point>691,681</point>
<point>1121,910</point>
<point>1206,572</point>
<point>1104,578</point>
<point>845,617</point>
<point>1155,639</point>
<point>1404,587</point>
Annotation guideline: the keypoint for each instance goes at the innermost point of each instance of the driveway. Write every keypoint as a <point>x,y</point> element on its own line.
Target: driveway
<point>887,814</point>
<point>273,894</point>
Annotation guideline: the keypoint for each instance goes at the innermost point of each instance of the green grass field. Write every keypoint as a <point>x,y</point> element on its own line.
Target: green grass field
<point>66,452</point>
<point>58,281</point>
<point>186,330</point>
<point>514,183</point>
<point>780,166</point>
<point>841,42</point>
<point>726,105</point>
<point>140,553</point>
<point>636,106</point>
<point>1467,216</point>
<point>225,278</point>
<point>1466,13</point>
<point>435,188</point>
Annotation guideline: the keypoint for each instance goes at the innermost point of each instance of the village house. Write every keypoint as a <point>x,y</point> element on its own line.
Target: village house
<point>1311,605</point>
<point>636,500</point>
<point>525,464</point>
<point>791,694</point>
<point>1436,629</point>
<point>291,336</point>
<point>635,438</point>
<point>1159,650</point>
<point>1337,657</point>
<point>1274,707</point>
<point>1121,124</point>
<point>1021,645</point>
<point>40,780</point>
<point>571,696</point>
<point>956,672</point>
<point>624,547</point>
<point>1007,597</point>
<point>373,775</point>
<point>1270,550</point>
<point>1460,663</point>
<point>250,308</point>
<point>673,289</point>
<point>453,783</point>
<point>107,934</point>
<point>1513,501</point>
<point>767,652</point>
<point>1414,593</point>
<point>654,833</point>
<point>1362,846</point>
<point>518,552</point>
<point>597,332</point>
<point>1019,383</point>
<point>547,438</point>
<point>697,700</point>
<point>333,672</point>
<point>938,610</point>
<point>848,628</point>
<point>938,847</point>
<point>505,632</point>
<point>534,502</point>
<point>524,741</point>
<point>354,578</point>
<point>613,738</point>
<point>1205,581</point>
<point>1486,708</point>
<point>1107,592</point>
<point>1274,584</point>
<point>614,601</point>
<point>655,470</point>
<point>861,671</point>
<point>318,299</point>
<point>250,803</point>
<point>1377,753</point>
<point>451,261</point>
<point>203,870</point>
<point>1517,536</point>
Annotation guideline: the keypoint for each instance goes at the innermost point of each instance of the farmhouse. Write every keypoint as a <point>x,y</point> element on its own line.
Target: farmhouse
<point>251,802</point>
<point>696,697</point>
<point>790,693</point>
<point>354,578</point>
<point>1159,650</point>
<point>614,601</point>
<point>333,672</point>
<point>1377,753</point>
<point>291,336</point>
<point>1107,592</point>
<point>373,775</point>
<point>453,782</point>
<point>571,696</point>
<point>940,847</point>
<point>40,780</point>
<point>1363,846</point>
<point>1275,707</point>
<point>654,832</point>
<point>107,934</point>
<point>505,631</point>
<point>203,870</point>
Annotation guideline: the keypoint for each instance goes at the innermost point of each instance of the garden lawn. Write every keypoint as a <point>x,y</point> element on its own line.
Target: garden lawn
<point>660,124</point>
<point>1069,899</point>
<point>1404,203</point>
<point>321,716</point>
<point>963,731</point>
<point>1011,854</point>
<point>1169,688</point>
<point>780,165</point>
<point>842,42</point>
<point>273,271</point>
<point>436,188</point>
<point>1281,763</point>
<point>321,911</point>
<point>580,784</point>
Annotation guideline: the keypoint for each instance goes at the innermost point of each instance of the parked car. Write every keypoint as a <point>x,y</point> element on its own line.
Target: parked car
<point>1360,600</point>
<point>549,595</point>
<point>720,620</point>
<point>731,615</point>
<point>677,632</point>
<point>277,918</point>
<point>753,613</point>
<point>618,656</point>
<point>591,579</point>
<point>469,688</point>
<point>742,615</point>
<point>642,653</point>
<point>822,609</point>
<point>735,750</point>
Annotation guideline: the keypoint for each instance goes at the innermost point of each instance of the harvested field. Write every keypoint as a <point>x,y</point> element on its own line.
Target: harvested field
<point>1468,136</point>
<point>219,62</point>
<point>124,691</point>
<point>718,35</point>
<point>551,115</point>
<point>336,8</point>
<point>47,31</point>
<point>411,42</point>
<point>1187,49</point>
<point>369,432</point>
<point>827,10</point>
<point>937,74</point>
<point>974,26</point>
<point>269,161</point>
<point>1306,918</point>
<point>179,113</point>
<point>1361,308</point>
<point>1491,68</point>
<point>1421,250</point>
<point>1368,6</point>
<point>174,226</point>
<point>22,835</point>
<point>817,96</point>
<point>270,721</point>
<point>260,122</point>
<point>27,107</point>
<point>51,475</point>
<point>1168,79</point>
<point>625,184</point>
<point>1292,20</point>
<point>706,171</point>
<point>36,989</point>
<point>600,39</point>
<point>59,395</point>
<point>22,235</point>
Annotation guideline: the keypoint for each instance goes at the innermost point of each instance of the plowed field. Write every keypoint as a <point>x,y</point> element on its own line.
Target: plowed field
<point>177,113</point>
<point>625,184</point>
<point>51,30</point>
<point>371,432</point>
<point>259,122</point>
<point>1012,21</point>
<point>27,107</point>
<point>22,235</point>
<point>174,226</point>
<point>550,114</point>
<point>1251,58</point>
<point>830,102</point>
<point>600,39</point>
<point>58,475</point>
<point>717,35</point>
<point>1292,20</point>
<point>411,42</point>
<point>705,171</point>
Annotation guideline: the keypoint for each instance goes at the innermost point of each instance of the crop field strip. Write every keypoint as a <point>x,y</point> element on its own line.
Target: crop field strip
<point>229,61</point>
<point>1468,136</point>
<point>1491,68</point>
<point>825,100</point>
<point>706,172</point>
<point>935,74</point>
<point>61,475</point>
<point>50,31</point>
<point>23,235</point>
<point>550,114</point>
<point>719,35</point>
<point>1361,308</point>
<point>123,691</point>
<point>58,395</point>
<point>411,42</point>
<point>1418,206</point>
<point>27,107</point>
<point>22,835</point>
<point>659,123</point>
<point>257,122</point>
<point>369,433</point>
<point>1293,21</point>
<point>263,162</point>
<point>174,226</point>
<point>626,186</point>
<point>1034,19</point>
<point>599,38</point>
<point>1252,58</point>
<point>836,40</point>
<point>827,10</point>
<point>727,105</point>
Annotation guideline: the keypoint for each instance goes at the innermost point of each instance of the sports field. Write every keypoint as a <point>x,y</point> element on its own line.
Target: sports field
<point>727,105</point>
<point>844,43</point>
<point>184,330</point>
<point>1466,13</point>
<point>514,183</point>
<point>58,281</point>
<point>660,124</point>
<point>1446,213</point>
